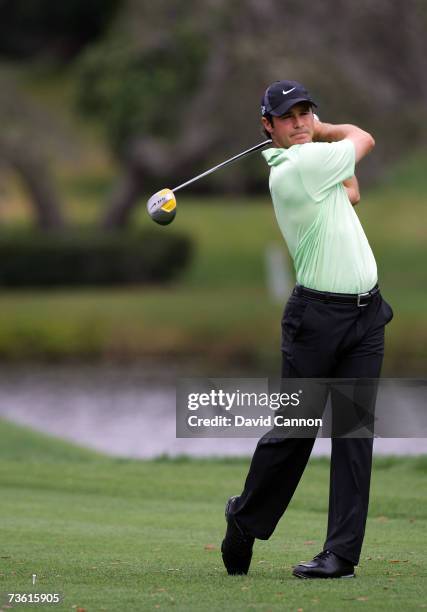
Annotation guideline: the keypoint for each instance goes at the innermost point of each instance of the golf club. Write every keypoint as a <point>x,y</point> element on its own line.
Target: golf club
<point>162,205</point>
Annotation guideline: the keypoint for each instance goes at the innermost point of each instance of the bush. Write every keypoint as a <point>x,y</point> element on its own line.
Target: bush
<point>71,258</point>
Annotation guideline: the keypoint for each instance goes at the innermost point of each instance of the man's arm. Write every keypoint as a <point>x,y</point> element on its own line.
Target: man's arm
<point>352,188</point>
<point>327,132</point>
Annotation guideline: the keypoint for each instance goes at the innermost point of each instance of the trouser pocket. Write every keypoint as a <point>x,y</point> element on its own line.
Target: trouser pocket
<point>387,311</point>
<point>292,319</point>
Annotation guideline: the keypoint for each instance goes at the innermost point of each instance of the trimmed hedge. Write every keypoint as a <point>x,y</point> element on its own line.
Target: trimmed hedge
<point>79,258</point>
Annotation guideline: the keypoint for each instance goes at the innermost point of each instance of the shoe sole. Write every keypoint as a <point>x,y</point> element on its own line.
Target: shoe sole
<point>304,577</point>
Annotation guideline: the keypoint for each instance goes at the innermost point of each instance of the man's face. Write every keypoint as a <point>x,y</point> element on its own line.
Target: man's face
<point>294,127</point>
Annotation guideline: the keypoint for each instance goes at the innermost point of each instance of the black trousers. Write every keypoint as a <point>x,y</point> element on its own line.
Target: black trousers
<point>320,340</point>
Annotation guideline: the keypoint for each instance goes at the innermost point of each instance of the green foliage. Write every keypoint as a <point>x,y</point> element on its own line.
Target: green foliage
<point>136,90</point>
<point>80,258</point>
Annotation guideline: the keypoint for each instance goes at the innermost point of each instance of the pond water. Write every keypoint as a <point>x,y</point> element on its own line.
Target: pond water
<point>124,411</point>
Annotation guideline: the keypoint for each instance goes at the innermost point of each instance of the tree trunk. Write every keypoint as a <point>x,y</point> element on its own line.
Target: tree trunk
<point>36,178</point>
<point>123,200</point>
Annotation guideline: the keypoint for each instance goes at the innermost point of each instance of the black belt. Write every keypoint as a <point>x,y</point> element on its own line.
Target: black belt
<point>357,299</point>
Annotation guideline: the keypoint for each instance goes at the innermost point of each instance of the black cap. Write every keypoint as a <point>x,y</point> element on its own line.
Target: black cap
<point>282,95</point>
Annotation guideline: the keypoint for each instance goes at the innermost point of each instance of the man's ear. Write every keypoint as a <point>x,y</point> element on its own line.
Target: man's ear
<point>267,125</point>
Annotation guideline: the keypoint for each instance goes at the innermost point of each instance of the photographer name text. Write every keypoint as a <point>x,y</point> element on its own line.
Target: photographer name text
<point>277,420</point>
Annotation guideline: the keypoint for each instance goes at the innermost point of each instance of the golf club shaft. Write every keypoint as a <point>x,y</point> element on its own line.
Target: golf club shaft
<point>224,163</point>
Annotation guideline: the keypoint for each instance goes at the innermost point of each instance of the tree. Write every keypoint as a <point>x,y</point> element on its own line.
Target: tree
<point>23,147</point>
<point>150,95</point>
<point>176,84</point>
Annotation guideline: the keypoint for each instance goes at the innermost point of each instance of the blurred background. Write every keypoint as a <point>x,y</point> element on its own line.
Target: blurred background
<point>104,102</point>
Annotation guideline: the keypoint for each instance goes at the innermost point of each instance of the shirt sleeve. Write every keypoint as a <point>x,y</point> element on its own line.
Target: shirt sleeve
<point>323,165</point>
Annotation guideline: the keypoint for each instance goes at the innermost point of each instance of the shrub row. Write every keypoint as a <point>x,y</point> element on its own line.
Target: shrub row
<point>72,258</point>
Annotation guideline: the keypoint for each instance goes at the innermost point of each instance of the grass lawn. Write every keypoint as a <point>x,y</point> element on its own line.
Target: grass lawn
<point>129,535</point>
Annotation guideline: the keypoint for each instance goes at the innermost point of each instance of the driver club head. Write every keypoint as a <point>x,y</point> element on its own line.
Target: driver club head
<point>162,207</point>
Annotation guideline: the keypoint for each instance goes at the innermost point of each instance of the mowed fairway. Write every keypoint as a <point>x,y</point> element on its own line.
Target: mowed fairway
<point>128,535</point>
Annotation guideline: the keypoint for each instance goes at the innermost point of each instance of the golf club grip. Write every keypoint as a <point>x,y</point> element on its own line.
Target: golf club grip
<point>224,163</point>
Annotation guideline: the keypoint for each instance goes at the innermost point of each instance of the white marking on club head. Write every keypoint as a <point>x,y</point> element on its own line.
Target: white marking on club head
<point>159,202</point>
<point>159,199</point>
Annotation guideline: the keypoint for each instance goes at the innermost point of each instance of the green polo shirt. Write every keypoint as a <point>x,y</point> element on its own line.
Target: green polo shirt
<point>324,235</point>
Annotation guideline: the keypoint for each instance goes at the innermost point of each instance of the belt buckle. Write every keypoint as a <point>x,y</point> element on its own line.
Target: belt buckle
<point>361,295</point>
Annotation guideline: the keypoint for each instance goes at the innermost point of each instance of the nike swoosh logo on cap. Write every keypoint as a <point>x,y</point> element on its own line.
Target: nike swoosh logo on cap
<point>287,91</point>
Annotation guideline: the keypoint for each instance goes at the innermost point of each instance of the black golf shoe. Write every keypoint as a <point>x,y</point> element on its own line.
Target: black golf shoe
<point>325,565</point>
<point>237,546</point>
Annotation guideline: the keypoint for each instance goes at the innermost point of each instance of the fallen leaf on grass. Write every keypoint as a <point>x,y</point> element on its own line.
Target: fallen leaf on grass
<point>309,542</point>
<point>362,598</point>
<point>398,560</point>
<point>382,519</point>
<point>210,547</point>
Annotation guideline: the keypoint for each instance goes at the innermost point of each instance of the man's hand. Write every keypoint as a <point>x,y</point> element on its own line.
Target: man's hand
<point>352,188</point>
<point>327,132</point>
<point>320,131</point>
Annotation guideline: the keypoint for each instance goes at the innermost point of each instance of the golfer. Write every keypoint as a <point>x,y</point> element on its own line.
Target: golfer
<point>332,327</point>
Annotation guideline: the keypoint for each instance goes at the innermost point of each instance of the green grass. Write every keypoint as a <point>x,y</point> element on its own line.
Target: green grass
<point>115,534</point>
